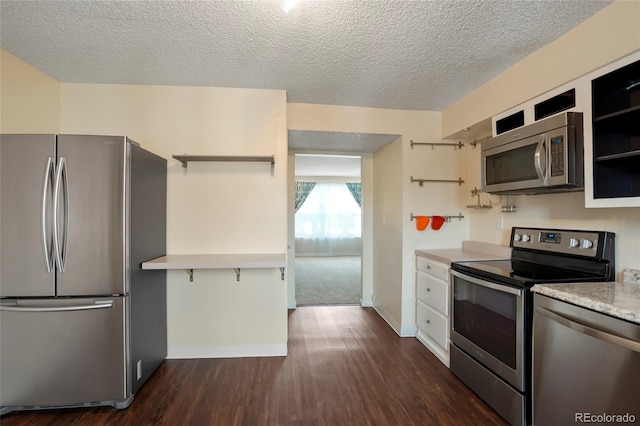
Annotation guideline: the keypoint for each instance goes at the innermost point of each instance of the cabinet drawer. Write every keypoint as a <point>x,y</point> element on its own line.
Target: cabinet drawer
<point>439,270</point>
<point>433,324</point>
<point>433,292</point>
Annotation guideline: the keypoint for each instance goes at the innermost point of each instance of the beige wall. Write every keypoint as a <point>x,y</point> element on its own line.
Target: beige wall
<point>606,36</point>
<point>388,222</point>
<point>213,208</point>
<point>367,192</point>
<point>565,210</point>
<point>29,99</point>
<point>217,316</point>
<point>433,198</point>
<point>291,231</point>
<point>394,287</point>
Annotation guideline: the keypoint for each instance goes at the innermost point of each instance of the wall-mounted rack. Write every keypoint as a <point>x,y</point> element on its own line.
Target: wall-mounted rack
<point>421,182</point>
<point>477,141</point>
<point>185,159</point>
<point>475,192</point>
<point>455,145</point>
<point>509,208</point>
<point>447,218</point>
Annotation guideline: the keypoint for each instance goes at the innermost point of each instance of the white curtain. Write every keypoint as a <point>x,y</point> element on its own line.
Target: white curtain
<point>329,222</point>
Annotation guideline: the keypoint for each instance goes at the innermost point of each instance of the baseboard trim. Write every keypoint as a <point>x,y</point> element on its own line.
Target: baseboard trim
<point>366,303</point>
<point>388,318</point>
<point>406,331</point>
<point>435,349</point>
<point>233,351</point>
<point>292,305</point>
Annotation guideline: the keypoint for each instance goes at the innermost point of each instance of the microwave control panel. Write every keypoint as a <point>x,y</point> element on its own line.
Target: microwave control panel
<point>557,155</point>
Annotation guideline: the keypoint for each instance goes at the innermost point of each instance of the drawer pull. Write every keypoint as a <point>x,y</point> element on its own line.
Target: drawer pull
<point>428,289</point>
<point>428,322</point>
<point>428,266</point>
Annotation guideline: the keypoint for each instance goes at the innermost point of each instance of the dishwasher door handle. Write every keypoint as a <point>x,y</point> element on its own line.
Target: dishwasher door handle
<point>590,331</point>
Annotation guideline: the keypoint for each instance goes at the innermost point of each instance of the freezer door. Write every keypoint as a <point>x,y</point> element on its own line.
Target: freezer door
<point>90,191</point>
<point>59,352</point>
<point>26,182</point>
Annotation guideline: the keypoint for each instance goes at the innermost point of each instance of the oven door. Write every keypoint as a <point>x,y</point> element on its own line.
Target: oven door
<point>488,324</point>
<point>516,165</point>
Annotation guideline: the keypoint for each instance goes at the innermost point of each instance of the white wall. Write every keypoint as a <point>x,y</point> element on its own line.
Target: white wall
<point>214,208</point>
<point>395,293</point>
<point>29,99</point>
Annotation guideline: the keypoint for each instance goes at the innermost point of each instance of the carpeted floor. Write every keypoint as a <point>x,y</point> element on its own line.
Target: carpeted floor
<point>328,280</point>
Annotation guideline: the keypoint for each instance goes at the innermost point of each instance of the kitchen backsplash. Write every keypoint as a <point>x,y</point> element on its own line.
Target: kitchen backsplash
<point>631,276</point>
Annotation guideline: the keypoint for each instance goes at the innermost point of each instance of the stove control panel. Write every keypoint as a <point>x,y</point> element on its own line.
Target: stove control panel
<point>582,243</point>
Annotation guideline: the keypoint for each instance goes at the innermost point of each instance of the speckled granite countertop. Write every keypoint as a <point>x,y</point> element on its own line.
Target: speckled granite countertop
<point>620,300</point>
<point>471,250</point>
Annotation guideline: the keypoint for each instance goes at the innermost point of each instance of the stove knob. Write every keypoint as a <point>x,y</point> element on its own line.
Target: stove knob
<point>526,238</point>
<point>586,244</point>
<point>517,237</point>
<point>573,243</point>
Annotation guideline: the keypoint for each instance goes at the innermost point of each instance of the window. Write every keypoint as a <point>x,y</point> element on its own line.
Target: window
<point>329,211</point>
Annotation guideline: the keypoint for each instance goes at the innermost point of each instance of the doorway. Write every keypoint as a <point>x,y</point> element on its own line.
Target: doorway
<point>328,230</point>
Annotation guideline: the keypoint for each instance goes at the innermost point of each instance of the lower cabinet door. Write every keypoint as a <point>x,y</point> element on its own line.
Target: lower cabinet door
<point>433,324</point>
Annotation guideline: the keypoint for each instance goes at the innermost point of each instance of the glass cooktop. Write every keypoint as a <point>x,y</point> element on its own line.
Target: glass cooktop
<point>522,274</point>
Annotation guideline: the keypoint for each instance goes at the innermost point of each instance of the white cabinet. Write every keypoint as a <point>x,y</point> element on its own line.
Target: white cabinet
<point>433,306</point>
<point>612,135</point>
<point>572,96</point>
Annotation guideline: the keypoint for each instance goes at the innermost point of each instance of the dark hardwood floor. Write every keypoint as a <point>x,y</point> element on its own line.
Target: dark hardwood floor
<point>345,367</point>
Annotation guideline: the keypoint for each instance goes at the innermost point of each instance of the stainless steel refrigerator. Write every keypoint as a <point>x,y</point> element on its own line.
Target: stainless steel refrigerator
<point>80,323</point>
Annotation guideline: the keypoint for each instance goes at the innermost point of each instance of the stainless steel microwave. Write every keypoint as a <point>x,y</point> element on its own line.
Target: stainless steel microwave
<point>546,156</point>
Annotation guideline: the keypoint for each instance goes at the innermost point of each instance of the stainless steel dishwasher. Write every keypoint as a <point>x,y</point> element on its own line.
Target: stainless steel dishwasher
<point>586,366</point>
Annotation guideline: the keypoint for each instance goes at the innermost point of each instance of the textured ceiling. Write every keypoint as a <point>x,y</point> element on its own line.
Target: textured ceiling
<point>391,54</point>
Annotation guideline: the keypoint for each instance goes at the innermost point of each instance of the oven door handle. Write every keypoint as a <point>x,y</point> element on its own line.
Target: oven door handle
<point>503,288</point>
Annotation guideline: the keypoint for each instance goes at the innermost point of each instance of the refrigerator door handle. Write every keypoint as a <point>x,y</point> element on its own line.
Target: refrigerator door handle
<point>66,213</point>
<point>98,304</point>
<point>46,247</point>
<point>61,177</point>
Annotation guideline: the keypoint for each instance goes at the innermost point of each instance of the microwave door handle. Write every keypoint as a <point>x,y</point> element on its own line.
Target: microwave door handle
<point>537,160</point>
